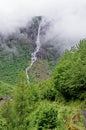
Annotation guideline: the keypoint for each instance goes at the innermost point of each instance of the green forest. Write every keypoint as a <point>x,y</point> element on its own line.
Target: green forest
<point>57,103</point>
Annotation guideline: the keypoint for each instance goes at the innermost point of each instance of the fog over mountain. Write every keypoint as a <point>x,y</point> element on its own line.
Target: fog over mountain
<point>67,16</point>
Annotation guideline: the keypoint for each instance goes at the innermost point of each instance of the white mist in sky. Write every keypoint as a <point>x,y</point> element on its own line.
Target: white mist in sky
<point>68,16</point>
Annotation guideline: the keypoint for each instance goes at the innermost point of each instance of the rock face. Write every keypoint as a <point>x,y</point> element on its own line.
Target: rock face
<point>16,50</point>
<point>27,35</point>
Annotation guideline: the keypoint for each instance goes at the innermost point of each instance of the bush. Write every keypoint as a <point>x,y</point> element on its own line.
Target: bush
<point>46,116</point>
<point>3,123</point>
<point>46,90</point>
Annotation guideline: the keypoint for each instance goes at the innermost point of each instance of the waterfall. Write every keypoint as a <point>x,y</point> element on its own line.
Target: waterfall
<point>34,54</point>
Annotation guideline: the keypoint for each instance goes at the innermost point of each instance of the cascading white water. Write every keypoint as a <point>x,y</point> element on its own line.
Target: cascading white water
<point>34,54</point>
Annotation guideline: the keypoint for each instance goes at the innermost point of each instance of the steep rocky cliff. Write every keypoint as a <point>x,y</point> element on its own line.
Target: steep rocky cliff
<point>26,36</point>
<point>16,49</point>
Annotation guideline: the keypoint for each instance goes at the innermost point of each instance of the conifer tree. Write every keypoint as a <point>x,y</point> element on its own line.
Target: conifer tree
<point>21,102</point>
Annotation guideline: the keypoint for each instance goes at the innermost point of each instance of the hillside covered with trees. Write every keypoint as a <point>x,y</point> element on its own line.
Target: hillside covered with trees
<point>57,103</point>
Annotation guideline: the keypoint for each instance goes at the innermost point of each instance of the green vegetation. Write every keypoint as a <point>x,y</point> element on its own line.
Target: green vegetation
<point>46,116</point>
<point>41,70</point>
<point>50,104</point>
<point>5,89</point>
<point>11,65</point>
<point>70,73</point>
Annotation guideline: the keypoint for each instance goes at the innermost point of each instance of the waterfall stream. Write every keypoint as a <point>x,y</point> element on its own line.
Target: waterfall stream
<point>34,54</point>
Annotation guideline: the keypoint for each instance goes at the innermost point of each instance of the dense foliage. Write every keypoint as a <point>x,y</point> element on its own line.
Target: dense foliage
<point>11,65</point>
<point>70,73</point>
<point>46,116</point>
<point>5,89</point>
<point>42,106</point>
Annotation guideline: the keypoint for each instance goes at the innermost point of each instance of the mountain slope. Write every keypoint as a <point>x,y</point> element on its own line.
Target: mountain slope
<point>16,49</point>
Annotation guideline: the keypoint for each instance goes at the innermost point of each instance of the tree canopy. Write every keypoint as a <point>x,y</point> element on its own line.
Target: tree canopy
<point>70,72</point>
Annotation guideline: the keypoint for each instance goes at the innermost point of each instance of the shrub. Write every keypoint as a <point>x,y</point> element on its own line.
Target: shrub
<point>46,116</point>
<point>3,123</point>
<point>46,90</point>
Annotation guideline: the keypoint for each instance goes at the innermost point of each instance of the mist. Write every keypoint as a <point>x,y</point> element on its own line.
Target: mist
<point>68,17</point>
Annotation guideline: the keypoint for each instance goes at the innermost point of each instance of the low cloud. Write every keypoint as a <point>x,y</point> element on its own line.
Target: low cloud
<point>68,16</point>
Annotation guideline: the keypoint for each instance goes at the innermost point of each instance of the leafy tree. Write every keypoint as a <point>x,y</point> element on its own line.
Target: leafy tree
<point>70,73</point>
